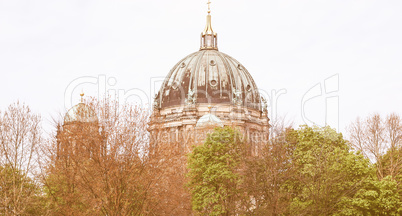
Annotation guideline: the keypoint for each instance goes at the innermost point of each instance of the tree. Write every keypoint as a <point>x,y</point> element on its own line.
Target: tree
<point>28,193</point>
<point>214,178</point>
<point>326,171</point>
<point>392,164</point>
<point>267,175</point>
<point>376,197</point>
<point>380,140</point>
<point>169,194</point>
<point>374,136</point>
<point>20,135</point>
<point>392,167</point>
<point>104,166</point>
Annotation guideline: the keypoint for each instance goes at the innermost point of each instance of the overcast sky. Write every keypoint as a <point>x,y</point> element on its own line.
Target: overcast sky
<point>318,61</point>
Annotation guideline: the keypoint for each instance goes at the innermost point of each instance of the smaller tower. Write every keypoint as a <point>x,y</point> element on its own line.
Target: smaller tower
<point>80,136</point>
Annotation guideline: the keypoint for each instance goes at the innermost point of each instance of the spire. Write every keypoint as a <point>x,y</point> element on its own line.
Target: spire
<point>209,39</point>
<point>82,97</point>
<point>208,27</point>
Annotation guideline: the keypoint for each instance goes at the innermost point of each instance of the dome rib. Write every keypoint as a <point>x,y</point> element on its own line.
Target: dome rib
<point>165,82</point>
<point>197,71</point>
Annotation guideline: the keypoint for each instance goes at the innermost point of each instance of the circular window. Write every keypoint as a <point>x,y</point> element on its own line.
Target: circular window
<point>183,65</point>
<point>212,63</point>
<point>213,82</point>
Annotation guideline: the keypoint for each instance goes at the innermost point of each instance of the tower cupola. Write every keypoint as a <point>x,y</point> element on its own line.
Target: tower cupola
<point>209,38</point>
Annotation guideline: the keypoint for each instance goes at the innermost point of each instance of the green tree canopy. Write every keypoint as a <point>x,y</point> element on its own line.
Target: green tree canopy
<point>376,197</point>
<point>392,164</point>
<point>326,171</point>
<point>19,194</point>
<point>214,177</point>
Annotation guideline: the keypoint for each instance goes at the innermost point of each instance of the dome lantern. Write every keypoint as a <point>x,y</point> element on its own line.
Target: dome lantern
<point>209,38</point>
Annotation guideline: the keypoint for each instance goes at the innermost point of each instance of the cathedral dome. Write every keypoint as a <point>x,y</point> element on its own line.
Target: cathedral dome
<point>202,80</point>
<point>208,76</point>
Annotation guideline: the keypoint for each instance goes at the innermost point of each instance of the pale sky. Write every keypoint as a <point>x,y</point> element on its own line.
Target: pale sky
<point>289,47</point>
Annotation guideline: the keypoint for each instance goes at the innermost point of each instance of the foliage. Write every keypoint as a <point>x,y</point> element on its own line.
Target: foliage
<point>14,183</point>
<point>374,198</point>
<point>20,135</point>
<point>266,176</point>
<point>108,167</point>
<point>214,173</point>
<point>100,169</point>
<point>308,171</point>
<point>169,195</point>
<point>374,136</point>
<point>392,164</point>
<point>326,171</point>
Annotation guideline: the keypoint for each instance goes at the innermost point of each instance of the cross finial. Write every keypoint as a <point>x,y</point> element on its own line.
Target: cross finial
<point>209,6</point>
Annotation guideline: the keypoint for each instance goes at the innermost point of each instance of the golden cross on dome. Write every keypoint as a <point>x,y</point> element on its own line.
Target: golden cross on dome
<point>209,6</point>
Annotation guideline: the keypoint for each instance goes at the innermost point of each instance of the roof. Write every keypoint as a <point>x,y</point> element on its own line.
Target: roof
<point>208,76</point>
<point>80,113</point>
<point>209,120</point>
